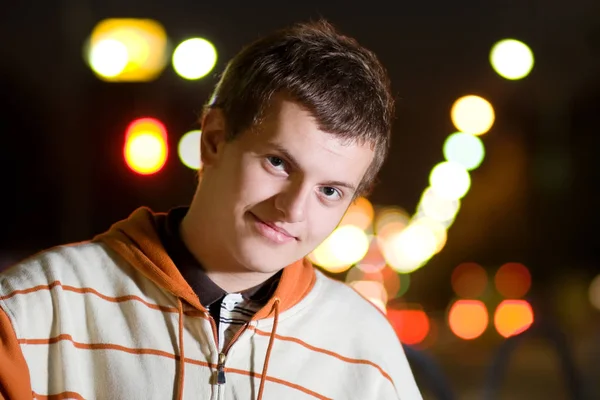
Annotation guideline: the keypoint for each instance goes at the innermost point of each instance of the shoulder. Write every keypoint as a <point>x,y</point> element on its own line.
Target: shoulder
<point>368,334</point>
<point>70,262</point>
<point>340,302</point>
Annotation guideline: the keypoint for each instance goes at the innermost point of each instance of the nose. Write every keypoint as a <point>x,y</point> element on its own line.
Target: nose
<point>292,202</point>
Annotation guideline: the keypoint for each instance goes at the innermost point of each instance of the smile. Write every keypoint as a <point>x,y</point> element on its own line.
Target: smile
<point>271,232</point>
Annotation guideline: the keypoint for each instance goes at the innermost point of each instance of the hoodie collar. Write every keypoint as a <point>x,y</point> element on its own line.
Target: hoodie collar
<point>136,239</point>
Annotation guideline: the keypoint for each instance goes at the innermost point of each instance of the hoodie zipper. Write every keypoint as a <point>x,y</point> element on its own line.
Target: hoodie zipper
<point>220,374</point>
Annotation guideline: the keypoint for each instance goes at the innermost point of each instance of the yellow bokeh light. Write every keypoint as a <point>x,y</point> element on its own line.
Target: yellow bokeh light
<point>145,153</point>
<point>468,319</point>
<point>436,207</point>
<point>464,149</point>
<point>108,58</point>
<point>360,214</point>
<point>194,58</point>
<point>409,249</point>
<point>145,148</point>
<point>450,180</point>
<point>513,317</point>
<point>347,245</point>
<point>189,149</point>
<point>436,228</point>
<point>472,114</point>
<point>594,292</point>
<point>127,49</point>
<point>511,59</point>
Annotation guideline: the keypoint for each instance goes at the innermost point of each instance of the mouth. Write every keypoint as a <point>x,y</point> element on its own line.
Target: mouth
<point>271,231</point>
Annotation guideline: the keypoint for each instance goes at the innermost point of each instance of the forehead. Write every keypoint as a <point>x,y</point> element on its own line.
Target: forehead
<point>290,127</point>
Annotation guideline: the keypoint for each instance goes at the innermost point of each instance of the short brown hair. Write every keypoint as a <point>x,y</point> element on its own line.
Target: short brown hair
<point>340,82</point>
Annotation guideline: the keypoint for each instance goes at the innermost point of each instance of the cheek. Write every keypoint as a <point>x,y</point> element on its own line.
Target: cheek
<point>321,223</point>
<point>256,184</point>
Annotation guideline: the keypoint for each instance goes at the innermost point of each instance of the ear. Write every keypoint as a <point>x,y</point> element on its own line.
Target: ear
<point>213,136</point>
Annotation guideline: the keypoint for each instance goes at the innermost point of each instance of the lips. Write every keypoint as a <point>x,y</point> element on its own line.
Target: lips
<point>276,228</point>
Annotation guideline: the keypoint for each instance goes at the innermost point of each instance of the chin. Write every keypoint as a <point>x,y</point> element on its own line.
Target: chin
<point>265,260</point>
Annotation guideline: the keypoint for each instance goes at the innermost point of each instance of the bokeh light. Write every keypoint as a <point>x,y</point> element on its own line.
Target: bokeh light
<point>468,319</point>
<point>146,150</point>
<point>511,59</point>
<point>594,292</point>
<point>411,325</point>
<point>513,280</point>
<point>513,317</point>
<point>436,227</point>
<point>436,207</point>
<point>409,249</point>
<point>469,280</point>
<point>472,114</point>
<point>347,245</point>
<point>108,58</point>
<point>395,216</point>
<point>373,261</point>
<point>450,180</point>
<point>464,149</point>
<point>189,149</point>
<point>127,50</point>
<point>395,284</point>
<point>360,214</point>
<point>194,58</point>
<point>357,274</point>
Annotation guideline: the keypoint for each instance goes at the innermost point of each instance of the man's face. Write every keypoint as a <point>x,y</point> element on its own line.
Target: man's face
<point>279,189</point>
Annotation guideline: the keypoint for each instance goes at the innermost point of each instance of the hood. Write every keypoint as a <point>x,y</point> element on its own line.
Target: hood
<point>136,240</point>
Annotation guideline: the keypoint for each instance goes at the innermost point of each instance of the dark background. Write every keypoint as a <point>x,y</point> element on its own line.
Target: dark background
<point>534,200</point>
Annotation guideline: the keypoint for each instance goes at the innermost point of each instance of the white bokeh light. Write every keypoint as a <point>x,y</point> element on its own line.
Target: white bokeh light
<point>511,59</point>
<point>189,149</point>
<point>194,58</point>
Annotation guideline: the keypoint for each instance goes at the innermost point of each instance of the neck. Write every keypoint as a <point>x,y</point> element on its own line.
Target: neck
<point>220,266</point>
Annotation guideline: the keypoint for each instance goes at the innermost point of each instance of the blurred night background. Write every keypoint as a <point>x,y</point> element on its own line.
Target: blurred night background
<point>482,246</point>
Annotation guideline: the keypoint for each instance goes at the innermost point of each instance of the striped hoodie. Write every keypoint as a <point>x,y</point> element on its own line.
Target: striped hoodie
<point>113,318</point>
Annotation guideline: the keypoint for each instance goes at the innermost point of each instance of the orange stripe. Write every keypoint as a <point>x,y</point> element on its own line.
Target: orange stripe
<point>325,351</point>
<point>59,396</point>
<point>108,346</point>
<point>120,299</point>
<point>277,380</point>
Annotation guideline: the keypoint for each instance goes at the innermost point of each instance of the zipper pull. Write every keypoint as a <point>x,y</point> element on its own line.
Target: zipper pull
<point>220,369</point>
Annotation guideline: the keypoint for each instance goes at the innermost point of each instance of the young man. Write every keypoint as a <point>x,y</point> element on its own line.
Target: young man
<point>216,301</point>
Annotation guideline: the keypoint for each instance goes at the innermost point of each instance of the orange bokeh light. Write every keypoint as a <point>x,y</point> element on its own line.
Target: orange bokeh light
<point>411,325</point>
<point>469,280</point>
<point>468,319</point>
<point>513,317</point>
<point>513,280</point>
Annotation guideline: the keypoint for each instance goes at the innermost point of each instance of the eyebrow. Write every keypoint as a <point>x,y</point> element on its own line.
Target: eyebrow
<point>292,160</point>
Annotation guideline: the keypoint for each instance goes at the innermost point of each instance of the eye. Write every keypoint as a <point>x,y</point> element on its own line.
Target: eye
<point>276,163</point>
<point>331,193</point>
